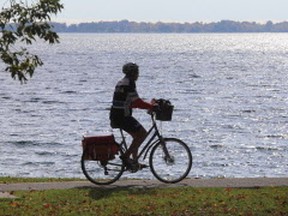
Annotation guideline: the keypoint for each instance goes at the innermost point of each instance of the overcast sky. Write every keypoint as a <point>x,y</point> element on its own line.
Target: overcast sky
<point>174,10</point>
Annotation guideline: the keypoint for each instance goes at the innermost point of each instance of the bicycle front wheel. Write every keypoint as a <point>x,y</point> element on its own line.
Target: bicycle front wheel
<point>171,160</point>
<point>102,172</point>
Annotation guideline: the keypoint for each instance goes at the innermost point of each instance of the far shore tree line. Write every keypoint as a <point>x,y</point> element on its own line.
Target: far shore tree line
<point>125,26</point>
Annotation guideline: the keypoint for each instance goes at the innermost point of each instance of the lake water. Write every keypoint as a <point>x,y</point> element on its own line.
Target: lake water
<point>229,92</point>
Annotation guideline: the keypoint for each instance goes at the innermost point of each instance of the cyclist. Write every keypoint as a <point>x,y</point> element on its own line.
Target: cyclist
<point>124,99</point>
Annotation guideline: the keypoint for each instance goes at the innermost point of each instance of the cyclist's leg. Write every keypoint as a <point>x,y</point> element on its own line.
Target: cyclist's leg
<point>138,138</point>
<point>138,133</point>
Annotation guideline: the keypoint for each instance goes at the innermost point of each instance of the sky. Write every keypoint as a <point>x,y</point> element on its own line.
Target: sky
<point>76,11</point>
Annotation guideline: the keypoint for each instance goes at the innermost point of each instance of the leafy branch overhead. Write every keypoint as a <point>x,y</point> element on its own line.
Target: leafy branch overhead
<point>22,24</point>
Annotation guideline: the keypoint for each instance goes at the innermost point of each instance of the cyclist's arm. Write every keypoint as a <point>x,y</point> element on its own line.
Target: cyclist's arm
<point>139,103</point>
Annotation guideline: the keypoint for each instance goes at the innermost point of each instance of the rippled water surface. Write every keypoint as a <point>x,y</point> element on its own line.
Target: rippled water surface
<point>229,92</point>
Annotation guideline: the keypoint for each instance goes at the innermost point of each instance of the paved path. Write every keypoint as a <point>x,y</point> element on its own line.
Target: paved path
<point>6,189</point>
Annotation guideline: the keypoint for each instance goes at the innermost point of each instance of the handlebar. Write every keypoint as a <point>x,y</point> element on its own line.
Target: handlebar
<point>162,109</point>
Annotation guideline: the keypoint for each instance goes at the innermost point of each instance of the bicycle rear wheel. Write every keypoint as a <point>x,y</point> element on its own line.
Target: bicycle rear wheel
<point>170,161</point>
<point>102,172</point>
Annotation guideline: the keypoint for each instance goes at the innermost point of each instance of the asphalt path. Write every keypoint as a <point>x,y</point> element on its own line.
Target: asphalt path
<point>6,190</point>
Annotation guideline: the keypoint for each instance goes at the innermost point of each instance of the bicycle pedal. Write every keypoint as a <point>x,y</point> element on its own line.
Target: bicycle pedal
<point>142,166</point>
<point>135,168</point>
<point>132,169</point>
<point>106,171</point>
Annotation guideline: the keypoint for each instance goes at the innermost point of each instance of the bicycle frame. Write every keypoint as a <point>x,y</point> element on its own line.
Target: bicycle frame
<point>163,159</point>
<point>149,144</point>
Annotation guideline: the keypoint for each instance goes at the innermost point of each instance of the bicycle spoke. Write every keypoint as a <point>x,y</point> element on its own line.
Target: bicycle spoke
<point>102,174</point>
<point>171,162</point>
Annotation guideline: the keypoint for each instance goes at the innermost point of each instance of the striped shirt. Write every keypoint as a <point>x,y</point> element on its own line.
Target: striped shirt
<point>124,95</point>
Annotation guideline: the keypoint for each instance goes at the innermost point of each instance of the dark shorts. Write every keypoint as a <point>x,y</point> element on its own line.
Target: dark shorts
<point>128,124</point>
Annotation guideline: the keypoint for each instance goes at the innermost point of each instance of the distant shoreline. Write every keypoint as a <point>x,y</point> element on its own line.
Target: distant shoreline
<point>125,26</point>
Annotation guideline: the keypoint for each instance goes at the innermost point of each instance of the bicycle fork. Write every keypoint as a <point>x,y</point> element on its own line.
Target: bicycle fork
<point>169,159</point>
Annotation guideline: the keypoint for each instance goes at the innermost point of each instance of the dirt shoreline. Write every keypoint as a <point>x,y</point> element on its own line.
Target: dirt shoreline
<point>6,189</point>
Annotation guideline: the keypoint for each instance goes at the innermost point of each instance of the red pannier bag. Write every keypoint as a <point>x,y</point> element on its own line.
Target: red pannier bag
<point>99,148</point>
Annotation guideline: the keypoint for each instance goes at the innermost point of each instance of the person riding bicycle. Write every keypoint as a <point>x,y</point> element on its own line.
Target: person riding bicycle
<point>124,99</point>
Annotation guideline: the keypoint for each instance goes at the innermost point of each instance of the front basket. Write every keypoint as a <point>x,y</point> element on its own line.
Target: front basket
<point>165,111</point>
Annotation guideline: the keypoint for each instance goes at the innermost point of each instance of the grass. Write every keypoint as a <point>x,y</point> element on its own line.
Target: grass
<point>5,180</point>
<point>130,201</point>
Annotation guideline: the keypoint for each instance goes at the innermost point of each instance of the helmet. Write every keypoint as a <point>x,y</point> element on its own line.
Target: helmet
<point>130,68</point>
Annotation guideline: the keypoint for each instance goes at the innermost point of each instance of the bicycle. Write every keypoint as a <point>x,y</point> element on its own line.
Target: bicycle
<point>170,159</point>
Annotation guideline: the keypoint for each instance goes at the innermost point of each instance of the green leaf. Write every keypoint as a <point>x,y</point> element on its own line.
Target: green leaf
<point>25,23</point>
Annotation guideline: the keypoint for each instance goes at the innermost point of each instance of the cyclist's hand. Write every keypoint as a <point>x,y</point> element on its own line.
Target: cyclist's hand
<point>153,101</point>
<point>153,110</point>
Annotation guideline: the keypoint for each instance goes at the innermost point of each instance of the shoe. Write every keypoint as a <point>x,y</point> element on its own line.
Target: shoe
<point>142,166</point>
<point>132,165</point>
<point>128,162</point>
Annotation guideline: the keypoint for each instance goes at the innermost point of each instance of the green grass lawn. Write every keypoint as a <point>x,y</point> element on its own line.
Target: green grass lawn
<point>153,201</point>
<point>4,180</point>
